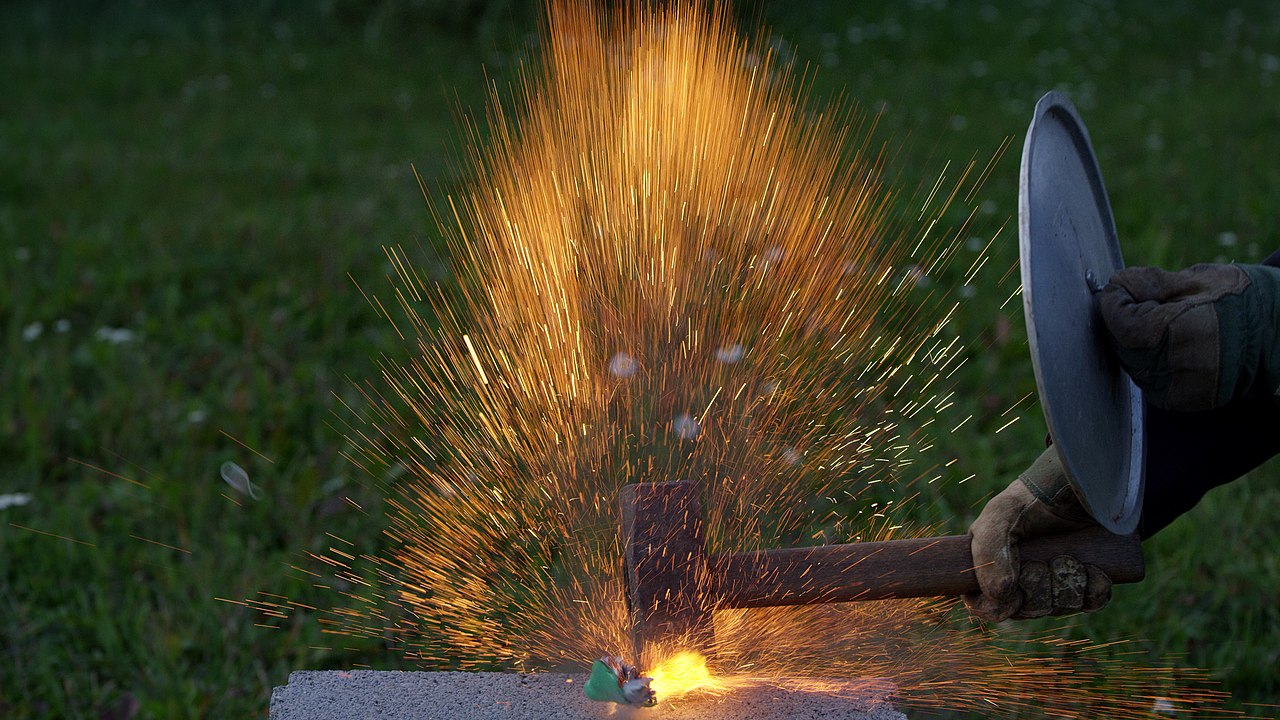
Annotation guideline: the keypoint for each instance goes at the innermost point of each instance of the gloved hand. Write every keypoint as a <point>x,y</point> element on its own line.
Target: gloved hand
<point>1040,502</point>
<point>1198,338</point>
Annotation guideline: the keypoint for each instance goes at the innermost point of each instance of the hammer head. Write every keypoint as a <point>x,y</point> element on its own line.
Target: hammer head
<point>666,567</point>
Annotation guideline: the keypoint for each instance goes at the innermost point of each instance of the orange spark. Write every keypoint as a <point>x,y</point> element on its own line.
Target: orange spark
<point>237,441</point>
<point>108,472</point>
<point>669,268</point>
<point>163,545</point>
<point>52,535</point>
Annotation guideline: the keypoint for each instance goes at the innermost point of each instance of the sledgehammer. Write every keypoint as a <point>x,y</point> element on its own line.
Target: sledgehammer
<point>673,583</point>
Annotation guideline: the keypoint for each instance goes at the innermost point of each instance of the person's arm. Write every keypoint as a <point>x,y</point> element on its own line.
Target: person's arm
<point>1189,454</point>
<point>1204,346</point>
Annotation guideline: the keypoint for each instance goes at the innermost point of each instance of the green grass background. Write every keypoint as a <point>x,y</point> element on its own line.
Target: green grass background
<point>205,179</point>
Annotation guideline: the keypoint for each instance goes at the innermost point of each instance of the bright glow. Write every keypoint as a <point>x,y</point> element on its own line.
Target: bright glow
<point>683,673</point>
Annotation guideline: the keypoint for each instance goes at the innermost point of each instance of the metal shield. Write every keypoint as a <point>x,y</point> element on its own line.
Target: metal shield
<point>1069,250</point>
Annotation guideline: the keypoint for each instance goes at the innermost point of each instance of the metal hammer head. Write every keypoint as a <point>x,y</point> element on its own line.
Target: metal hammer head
<point>666,567</point>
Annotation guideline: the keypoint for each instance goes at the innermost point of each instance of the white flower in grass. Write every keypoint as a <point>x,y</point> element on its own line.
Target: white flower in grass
<point>623,365</point>
<point>238,479</point>
<point>686,427</point>
<point>9,500</point>
<point>792,457</point>
<point>115,336</point>
<point>729,354</point>
<point>32,331</point>
<point>917,276</point>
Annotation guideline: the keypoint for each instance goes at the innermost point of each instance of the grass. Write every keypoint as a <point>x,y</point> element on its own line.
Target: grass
<point>184,191</point>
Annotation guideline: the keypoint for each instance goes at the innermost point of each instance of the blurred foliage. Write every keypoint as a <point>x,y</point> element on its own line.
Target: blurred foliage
<point>188,190</point>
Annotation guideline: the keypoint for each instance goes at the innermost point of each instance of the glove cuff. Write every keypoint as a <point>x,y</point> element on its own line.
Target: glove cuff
<point>1047,481</point>
<point>1259,366</point>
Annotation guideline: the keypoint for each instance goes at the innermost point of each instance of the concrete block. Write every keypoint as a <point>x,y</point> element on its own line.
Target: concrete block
<point>369,694</point>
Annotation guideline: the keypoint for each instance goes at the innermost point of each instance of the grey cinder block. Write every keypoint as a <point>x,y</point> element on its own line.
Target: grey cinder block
<point>369,694</point>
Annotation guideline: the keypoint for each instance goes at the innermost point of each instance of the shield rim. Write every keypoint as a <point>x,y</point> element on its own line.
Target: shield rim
<point>1124,489</point>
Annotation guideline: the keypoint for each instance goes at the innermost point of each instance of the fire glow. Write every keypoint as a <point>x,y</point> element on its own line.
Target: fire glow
<point>683,673</point>
<point>669,269</point>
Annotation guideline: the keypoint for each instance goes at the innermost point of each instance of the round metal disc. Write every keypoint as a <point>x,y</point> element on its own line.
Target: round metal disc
<point>1068,248</point>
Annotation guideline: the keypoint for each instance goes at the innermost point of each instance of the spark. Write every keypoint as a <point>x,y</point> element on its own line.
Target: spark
<point>108,472</point>
<point>471,349</point>
<point>1005,426</point>
<point>52,535</point>
<point>237,441</point>
<point>163,545</point>
<point>648,188</point>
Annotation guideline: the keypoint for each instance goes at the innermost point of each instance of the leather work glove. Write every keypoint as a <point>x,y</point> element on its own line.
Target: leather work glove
<point>1196,339</point>
<point>1040,502</point>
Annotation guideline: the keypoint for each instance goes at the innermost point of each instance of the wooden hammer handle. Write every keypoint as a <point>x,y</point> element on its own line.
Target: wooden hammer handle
<point>917,567</point>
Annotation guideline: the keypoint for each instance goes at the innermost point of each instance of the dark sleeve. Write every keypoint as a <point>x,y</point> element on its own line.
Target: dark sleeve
<point>1189,454</point>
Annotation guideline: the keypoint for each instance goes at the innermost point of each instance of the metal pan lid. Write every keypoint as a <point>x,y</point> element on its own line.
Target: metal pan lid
<point>1068,249</point>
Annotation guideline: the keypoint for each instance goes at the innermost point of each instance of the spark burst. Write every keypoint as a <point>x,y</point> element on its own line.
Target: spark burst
<point>670,270</point>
